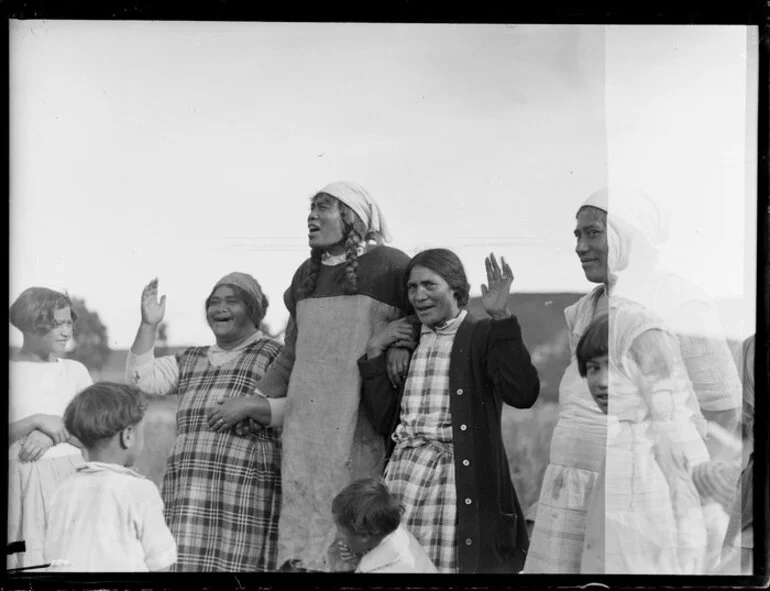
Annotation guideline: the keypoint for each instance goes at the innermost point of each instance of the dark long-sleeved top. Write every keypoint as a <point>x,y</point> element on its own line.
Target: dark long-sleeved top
<point>489,366</point>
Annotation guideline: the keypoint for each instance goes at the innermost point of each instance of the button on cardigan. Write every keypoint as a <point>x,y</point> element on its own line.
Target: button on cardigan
<point>489,366</point>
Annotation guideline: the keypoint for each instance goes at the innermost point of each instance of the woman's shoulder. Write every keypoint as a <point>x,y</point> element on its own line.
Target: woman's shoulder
<point>388,255</point>
<point>583,305</point>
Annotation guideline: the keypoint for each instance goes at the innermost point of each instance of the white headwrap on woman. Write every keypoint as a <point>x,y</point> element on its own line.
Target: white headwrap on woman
<point>631,216</point>
<point>358,199</point>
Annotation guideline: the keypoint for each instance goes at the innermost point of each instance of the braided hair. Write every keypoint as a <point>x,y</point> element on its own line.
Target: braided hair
<point>354,232</point>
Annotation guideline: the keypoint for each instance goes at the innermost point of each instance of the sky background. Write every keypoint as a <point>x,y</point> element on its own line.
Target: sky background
<point>186,150</point>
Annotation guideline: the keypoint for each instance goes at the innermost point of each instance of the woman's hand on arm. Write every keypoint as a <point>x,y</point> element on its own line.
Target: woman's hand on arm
<point>494,294</point>
<point>231,411</point>
<point>395,331</point>
<point>34,446</point>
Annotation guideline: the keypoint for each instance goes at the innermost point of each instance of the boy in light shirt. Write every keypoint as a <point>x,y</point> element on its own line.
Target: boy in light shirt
<point>106,517</point>
<point>372,538</point>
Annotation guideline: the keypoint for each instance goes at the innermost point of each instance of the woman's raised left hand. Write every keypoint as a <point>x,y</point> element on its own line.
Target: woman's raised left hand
<point>228,412</point>
<point>494,294</point>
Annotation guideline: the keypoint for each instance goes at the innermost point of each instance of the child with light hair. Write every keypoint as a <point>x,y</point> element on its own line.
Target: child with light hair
<point>372,539</point>
<point>106,517</point>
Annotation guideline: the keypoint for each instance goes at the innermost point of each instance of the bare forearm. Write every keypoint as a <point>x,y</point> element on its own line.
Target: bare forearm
<point>259,410</point>
<point>22,428</point>
<point>145,339</point>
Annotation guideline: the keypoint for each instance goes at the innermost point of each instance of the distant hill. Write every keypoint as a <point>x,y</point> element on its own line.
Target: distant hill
<point>541,316</point>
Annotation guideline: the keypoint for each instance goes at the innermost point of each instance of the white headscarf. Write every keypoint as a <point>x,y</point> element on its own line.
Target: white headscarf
<point>358,199</point>
<point>631,215</point>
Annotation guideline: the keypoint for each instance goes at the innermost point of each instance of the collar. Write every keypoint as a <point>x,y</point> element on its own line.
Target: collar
<point>391,549</point>
<point>93,467</point>
<point>216,349</point>
<point>330,260</point>
<point>449,327</point>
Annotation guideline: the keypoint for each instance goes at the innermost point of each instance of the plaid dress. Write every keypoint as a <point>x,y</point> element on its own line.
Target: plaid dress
<point>222,491</point>
<point>421,471</point>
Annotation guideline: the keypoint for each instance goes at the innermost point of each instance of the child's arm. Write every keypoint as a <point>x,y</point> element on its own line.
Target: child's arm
<point>50,425</point>
<point>157,541</point>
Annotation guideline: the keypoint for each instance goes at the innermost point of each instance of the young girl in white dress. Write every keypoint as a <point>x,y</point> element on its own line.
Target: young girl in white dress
<point>41,452</point>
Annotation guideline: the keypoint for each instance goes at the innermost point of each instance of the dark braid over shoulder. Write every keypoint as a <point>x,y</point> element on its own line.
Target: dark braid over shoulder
<point>351,262</point>
<point>308,287</point>
<point>354,230</point>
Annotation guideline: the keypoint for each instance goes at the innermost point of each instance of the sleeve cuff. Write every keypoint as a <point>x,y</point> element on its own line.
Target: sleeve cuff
<point>505,329</point>
<point>370,368</point>
<point>165,560</point>
<point>277,406</point>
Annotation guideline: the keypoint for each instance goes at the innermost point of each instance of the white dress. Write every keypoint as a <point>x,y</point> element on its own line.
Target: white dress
<point>46,388</point>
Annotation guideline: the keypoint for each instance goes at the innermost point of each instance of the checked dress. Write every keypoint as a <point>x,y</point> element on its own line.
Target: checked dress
<point>221,491</point>
<point>421,472</point>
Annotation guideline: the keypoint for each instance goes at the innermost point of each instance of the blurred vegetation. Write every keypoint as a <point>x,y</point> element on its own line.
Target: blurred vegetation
<point>527,440</point>
<point>90,343</point>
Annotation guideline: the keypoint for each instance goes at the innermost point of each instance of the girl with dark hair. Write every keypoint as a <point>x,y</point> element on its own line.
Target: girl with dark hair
<point>349,288</point>
<point>221,487</point>
<point>41,451</point>
<point>449,466</point>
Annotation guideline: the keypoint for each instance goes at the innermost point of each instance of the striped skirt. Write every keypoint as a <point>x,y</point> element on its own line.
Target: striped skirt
<point>421,475</point>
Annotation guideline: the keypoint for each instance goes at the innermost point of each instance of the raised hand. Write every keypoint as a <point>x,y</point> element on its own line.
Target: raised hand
<point>494,295</point>
<point>34,445</point>
<point>152,309</point>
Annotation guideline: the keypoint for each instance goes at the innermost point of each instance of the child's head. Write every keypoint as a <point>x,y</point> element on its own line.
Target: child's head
<point>107,418</point>
<point>45,317</point>
<point>365,512</point>
<point>592,358</point>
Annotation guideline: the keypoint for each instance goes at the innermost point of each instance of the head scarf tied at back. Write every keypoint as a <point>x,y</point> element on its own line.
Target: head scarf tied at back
<point>632,217</point>
<point>358,199</point>
<point>250,286</point>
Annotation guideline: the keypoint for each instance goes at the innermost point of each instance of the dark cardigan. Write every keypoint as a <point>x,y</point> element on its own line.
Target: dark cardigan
<point>489,365</point>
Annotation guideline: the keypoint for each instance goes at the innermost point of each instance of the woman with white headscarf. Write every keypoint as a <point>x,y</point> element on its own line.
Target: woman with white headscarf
<point>617,251</point>
<point>348,290</point>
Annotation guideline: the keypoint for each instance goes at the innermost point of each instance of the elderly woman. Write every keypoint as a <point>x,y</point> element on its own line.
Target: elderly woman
<point>41,452</point>
<point>221,488</point>
<point>349,288</point>
<point>449,466</point>
<point>617,252</point>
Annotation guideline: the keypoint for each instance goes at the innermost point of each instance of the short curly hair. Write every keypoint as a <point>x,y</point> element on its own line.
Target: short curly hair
<point>33,311</point>
<point>103,410</point>
<point>367,507</point>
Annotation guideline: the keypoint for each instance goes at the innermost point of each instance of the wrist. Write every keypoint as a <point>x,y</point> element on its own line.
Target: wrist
<point>500,314</point>
<point>149,325</point>
<point>373,350</point>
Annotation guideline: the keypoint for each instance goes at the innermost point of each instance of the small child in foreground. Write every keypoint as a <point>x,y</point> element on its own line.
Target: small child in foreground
<point>368,519</point>
<point>106,517</point>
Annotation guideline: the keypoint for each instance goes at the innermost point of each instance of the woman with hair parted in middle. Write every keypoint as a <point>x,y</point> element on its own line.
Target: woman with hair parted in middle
<point>222,486</point>
<point>449,467</point>
<point>349,288</point>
